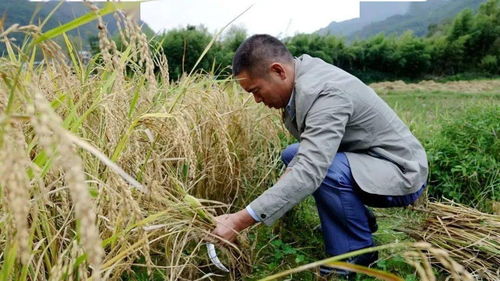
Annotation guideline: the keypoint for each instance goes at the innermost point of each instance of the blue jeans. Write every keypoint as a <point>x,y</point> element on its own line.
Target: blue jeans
<point>341,206</point>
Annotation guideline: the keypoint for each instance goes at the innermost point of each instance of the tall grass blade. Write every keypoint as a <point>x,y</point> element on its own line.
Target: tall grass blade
<point>205,51</point>
<point>382,275</point>
<point>49,16</point>
<point>9,258</point>
<point>334,259</point>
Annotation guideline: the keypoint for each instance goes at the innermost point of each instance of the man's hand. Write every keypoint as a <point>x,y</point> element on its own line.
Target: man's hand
<point>228,226</point>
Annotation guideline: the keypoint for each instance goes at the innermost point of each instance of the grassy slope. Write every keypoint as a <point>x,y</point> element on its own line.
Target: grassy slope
<point>295,241</point>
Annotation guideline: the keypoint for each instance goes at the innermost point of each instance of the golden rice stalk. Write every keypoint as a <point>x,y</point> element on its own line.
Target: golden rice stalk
<point>419,257</point>
<point>52,137</point>
<point>65,268</point>
<point>142,48</point>
<point>13,178</point>
<point>197,207</point>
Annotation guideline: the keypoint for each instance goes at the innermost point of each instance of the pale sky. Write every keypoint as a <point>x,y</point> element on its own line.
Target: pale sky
<point>275,17</point>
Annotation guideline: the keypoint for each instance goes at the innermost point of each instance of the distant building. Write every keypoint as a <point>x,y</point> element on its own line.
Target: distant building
<point>84,56</point>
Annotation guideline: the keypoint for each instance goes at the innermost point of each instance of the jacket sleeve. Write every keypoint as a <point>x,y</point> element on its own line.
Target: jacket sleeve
<point>324,128</point>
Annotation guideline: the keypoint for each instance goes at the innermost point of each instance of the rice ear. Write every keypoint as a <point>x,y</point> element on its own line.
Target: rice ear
<point>14,164</point>
<point>195,205</point>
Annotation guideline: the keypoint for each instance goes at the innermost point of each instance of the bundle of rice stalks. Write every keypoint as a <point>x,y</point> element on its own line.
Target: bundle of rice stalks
<point>468,235</point>
<point>155,147</point>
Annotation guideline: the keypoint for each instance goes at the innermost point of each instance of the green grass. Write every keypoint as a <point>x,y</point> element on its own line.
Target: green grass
<point>459,132</point>
<point>424,112</point>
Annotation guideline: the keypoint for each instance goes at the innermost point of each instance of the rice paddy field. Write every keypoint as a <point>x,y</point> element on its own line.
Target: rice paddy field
<point>426,105</point>
<point>110,171</point>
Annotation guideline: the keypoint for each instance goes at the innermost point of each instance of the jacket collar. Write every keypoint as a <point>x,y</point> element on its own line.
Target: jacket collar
<point>304,91</point>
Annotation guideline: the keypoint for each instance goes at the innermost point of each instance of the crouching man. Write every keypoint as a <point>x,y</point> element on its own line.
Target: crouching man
<point>353,150</point>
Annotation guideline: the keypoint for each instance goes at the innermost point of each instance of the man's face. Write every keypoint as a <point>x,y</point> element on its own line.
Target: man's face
<point>273,89</point>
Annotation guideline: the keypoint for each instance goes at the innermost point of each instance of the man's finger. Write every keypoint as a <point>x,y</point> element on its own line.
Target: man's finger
<point>211,239</point>
<point>217,240</point>
<point>221,218</point>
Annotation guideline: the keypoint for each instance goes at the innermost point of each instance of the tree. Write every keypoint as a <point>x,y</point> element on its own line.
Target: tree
<point>231,40</point>
<point>462,25</point>
<point>413,56</point>
<point>380,53</point>
<point>329,48</point>
<point>184,46</point>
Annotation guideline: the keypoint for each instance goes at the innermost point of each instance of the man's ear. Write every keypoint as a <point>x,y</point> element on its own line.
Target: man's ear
<point>278,69</point>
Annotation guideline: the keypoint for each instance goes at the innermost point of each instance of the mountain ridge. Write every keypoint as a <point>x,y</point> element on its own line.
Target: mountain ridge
<point>418,18</point>
<point>369,12</point>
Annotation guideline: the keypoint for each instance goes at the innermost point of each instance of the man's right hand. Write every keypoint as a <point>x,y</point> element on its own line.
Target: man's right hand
<point>229,226</point>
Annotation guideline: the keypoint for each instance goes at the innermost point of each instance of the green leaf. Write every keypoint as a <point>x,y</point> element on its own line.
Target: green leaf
<point>299,258</point>
<point>91,16</point>
<point>77,66</point>
<point>277,243</point>
<point>135,97</point>
<point>9,260</point>
<point>79,260</point>
<point>93,192</point>
<point>289,250</point>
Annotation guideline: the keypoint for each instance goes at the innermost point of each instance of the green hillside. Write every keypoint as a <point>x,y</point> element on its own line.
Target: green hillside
<point>24,12</point>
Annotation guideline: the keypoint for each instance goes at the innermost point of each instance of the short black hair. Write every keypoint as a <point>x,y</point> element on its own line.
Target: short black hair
<point>258,50</point>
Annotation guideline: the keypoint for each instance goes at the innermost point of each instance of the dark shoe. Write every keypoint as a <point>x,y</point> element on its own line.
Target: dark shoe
<point>363,260</point>
<point>372,221</point>
<point>326,272</point>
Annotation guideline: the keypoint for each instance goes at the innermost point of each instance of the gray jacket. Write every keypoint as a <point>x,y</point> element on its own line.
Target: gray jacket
<point>331,111</point>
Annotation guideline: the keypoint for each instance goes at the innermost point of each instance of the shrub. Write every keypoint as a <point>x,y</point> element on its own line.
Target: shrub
<point>489,64</point>
<point>464,157</point>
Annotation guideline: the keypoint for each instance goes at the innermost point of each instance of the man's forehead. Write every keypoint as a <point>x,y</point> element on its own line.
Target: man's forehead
<point>245,81</point>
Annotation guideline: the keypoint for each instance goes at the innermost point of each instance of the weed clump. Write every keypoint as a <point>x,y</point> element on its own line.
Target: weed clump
<point>464,158</point>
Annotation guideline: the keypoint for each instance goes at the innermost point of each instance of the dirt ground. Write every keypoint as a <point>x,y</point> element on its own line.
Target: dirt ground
<point>473,86</point>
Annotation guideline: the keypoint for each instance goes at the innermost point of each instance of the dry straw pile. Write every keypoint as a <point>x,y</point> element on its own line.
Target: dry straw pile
<point>69,213</point>
<point>468,235</point>
<point>475,86</point>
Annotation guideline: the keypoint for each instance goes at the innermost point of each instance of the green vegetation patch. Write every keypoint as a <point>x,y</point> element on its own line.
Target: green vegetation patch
<point>464,158</point>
